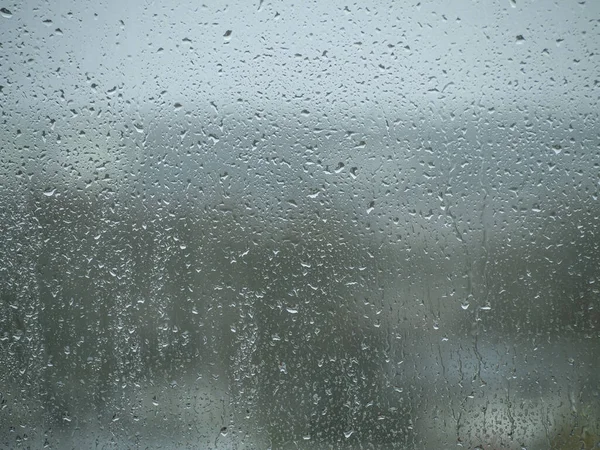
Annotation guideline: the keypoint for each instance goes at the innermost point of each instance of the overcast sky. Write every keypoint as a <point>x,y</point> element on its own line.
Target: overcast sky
<point>384,108</point>
<point>324,56</point>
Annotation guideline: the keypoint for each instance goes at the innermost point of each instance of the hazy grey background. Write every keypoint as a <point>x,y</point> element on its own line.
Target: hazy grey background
<point>368,86</point>
<point>316,225</point>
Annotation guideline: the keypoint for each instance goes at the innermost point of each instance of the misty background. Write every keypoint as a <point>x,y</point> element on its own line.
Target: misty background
<point>299,226</point>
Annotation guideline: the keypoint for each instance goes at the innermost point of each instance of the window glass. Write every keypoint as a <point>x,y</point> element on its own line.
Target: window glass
<point>317,225</point>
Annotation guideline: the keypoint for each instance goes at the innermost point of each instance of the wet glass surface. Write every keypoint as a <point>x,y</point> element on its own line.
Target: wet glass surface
<point>328,225</point>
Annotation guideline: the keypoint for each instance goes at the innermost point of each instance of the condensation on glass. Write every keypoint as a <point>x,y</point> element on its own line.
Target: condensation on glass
<point>316,225</point>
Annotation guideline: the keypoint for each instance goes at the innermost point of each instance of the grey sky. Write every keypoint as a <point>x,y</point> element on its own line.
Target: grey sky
<point>424,103</point>
<point>327,57</point>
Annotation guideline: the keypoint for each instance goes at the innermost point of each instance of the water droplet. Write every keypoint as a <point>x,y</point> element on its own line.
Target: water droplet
<point>348,433</point>
<point>283,367</point>
<point>6,13</point>
<point>371,207</point>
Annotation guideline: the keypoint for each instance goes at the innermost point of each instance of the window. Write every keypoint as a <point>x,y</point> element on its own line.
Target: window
<point>314,225</point>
